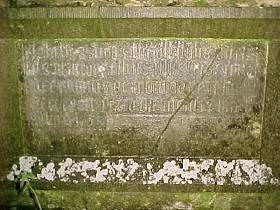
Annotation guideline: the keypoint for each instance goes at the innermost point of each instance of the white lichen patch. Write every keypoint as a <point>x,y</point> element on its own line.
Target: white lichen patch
<point>178,205</point>
<point>47,172</point>
<point>149,171</point>
<point>26,163</point>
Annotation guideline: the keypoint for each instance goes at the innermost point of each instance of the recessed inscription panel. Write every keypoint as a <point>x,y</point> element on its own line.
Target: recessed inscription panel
<point>107,95</point>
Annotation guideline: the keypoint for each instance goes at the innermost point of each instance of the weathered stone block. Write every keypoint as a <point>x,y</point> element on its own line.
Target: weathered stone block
<point>154,99</point>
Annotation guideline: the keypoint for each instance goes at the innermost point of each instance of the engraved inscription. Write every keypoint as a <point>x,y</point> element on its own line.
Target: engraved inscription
<point>96,85</point>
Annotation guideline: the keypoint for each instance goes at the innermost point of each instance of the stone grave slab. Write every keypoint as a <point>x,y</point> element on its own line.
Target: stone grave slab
<point>141,99</point>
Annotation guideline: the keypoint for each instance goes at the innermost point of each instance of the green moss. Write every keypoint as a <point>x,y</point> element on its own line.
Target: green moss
<point>141,28</point>
<point>200,3</point>
<point>202,200</point>
<point>245,201</point>
<point>138,200</point>
<point>10,129</point>
<point>222,202</point>
<point>271,201</point>
<point>12,3</point>
<point>271,118</point>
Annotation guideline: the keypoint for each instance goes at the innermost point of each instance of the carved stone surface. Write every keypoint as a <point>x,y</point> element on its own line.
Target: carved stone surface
<point>87,89</point>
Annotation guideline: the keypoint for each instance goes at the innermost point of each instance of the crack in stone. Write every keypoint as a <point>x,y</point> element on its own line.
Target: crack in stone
<point>187,99</point>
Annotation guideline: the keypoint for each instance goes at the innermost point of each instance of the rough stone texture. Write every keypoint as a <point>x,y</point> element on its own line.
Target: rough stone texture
<point>54,28</point>
<point>142,12</point>
<point>149,3</point>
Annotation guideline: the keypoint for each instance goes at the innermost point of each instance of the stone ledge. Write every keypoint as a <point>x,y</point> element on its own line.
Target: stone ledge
<point>143,200</point>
